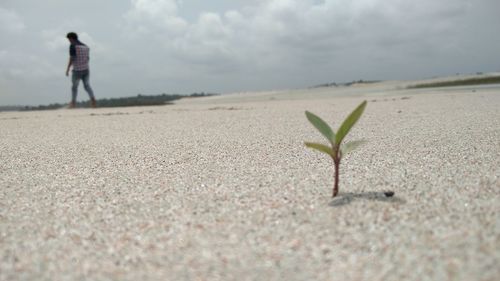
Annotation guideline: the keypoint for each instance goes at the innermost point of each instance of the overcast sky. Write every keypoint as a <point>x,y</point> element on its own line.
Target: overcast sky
<point>186,46</point>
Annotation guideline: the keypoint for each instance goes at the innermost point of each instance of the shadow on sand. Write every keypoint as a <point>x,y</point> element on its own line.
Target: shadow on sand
<point>347,198</point>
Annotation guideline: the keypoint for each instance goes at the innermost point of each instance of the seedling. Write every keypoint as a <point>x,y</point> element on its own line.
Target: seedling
<point>336,150</point>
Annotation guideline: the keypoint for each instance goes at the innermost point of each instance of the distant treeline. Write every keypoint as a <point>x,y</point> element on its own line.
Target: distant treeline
<point>459,82</point>
<point>334,84</point>
<point>139,100</point>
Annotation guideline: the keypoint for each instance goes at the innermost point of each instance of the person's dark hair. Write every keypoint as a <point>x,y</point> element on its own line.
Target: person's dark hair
<point>72,35</point>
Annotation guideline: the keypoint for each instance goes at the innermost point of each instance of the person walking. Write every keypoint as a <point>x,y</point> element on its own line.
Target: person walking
<point>79,60</point>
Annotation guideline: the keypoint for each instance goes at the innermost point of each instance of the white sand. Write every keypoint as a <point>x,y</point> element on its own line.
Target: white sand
<point>223,188</point>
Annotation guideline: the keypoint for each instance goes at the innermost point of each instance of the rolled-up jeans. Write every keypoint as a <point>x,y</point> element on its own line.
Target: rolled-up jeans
<point>75,78</point>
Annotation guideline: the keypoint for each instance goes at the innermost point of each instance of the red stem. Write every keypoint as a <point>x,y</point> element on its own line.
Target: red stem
<point>336,161</point>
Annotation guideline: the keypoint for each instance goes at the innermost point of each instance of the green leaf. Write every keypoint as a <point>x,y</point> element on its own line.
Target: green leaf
<point>349,122</point>
<point>321,125</point>
<point>320,147</point>
<point>350,146</point>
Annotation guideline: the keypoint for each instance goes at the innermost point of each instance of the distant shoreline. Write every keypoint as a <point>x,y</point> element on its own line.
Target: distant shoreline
<point>139,100</point>
<point>165,99</point>
<point>459,82</point>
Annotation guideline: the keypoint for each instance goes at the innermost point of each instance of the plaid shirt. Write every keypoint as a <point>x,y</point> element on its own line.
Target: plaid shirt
<point>79,54</point>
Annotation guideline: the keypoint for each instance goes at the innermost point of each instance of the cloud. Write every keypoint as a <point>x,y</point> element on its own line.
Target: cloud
<point>291,32</point>
<point>161,14</point>
<point>54,39</point>
<point>10,21</point>
<point>155,8</point>
<point>19,65</point>
<point>28,78</point>
<point>293,43</point>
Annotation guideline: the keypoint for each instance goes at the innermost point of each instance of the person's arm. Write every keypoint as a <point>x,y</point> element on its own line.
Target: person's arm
<point>70,63</point>
<point>72,54</point>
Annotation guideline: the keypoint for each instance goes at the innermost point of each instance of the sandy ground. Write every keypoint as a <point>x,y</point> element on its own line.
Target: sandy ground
<point>222,188</point>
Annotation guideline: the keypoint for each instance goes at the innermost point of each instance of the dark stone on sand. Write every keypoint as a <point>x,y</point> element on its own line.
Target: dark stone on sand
<point>389,193</point>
